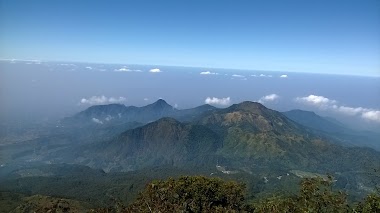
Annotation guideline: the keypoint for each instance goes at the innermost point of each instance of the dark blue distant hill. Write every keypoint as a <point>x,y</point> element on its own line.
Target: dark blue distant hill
<point>312,120</point>
<point>334,129</point>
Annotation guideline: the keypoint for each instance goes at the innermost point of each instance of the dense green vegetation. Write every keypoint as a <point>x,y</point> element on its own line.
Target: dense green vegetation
<point>190,194</point>
<point>201,194</point>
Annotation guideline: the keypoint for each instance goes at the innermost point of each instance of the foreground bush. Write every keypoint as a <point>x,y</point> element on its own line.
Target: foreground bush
<point>190,194</point>
<point>201,194</point>
<point>315,195</point>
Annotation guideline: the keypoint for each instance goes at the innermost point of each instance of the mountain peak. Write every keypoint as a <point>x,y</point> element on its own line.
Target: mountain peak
<point>248,106</point>
<point>161,103</point>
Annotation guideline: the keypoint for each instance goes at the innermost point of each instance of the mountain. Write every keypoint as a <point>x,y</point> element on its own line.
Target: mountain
<point>333,129</point>
<point>253,133</point>
<point>245,140</point>
<point>119,113</point>
<point>163,142</point>
<point>312,120</point>
<point>246,135</point>
<point>112,114</point>
<point>250,116</point>
<point>193,113</point>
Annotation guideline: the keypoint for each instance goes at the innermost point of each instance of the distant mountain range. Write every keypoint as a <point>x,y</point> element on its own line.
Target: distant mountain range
<point>335,130</point>
<point>312,120</point>
<point>246,141</point>
<point>119,113</point>
<point>246,135</point>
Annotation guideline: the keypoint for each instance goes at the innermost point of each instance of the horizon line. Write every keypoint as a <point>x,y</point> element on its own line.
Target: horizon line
<point>187,66</point>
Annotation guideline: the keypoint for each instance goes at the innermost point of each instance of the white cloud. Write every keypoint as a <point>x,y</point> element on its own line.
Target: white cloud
<point>123,69</point>
<point>316,100</point>
<point>372,115</point>
<point>155,70</point>
<point>218,101</point>
<point>101,100</point>
<point>90,68</point>
<point>283,76</point>
<point>263,75</point>
<point>108,118</point>
<point>115,100</point>
<point>208,73</point>
<point>254,75</point>
<point>146,99</point>
<point>95,120</point>
<point>238,76</point>
<point>329,104</point>
<point>68,65</point>
<point>269,98</point>
<point>349,110</point>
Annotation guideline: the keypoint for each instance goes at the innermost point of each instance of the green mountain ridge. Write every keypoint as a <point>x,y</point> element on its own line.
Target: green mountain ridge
<point>245,135</point>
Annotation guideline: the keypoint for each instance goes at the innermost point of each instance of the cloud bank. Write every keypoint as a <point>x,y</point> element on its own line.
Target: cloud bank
<point>283,76</point>
<point>218,101</point>
<point>94,100</point>
<point>332,105</point>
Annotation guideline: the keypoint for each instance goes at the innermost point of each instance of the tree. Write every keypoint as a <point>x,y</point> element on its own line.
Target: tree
<point>190,194</point>
<point>315,195</point>
<point>371,204</point>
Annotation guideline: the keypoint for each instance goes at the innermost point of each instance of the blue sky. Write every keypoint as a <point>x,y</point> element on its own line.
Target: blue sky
<point>321,36</point>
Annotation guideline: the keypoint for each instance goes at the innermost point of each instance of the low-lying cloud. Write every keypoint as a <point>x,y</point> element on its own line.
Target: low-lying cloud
<point>238,76</point>
<point>126,69</point>
<point>283,76</point>
<point>263,75</point>
<point>95,120</point>
<point>208,73</point>
<point>218,101</point>
<point>155,70</point>
<point>95,100</point>
<point>123,69</point>
<point>332,105</point>
<point>269,98</point>
<point>372,115</point>
<point>316,100</point>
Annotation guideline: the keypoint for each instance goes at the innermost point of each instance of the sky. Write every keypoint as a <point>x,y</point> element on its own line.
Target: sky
<point>324,36</point>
